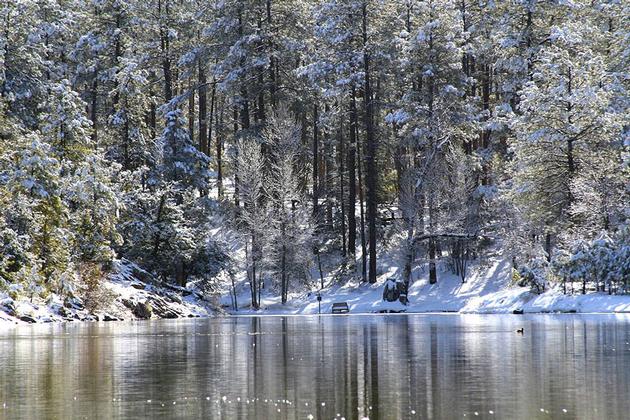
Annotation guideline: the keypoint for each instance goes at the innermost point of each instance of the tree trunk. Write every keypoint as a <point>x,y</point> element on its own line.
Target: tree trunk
<point>158,218</point>
<point>234,300</point>
<point>191,111</point>
<point>272,60</point>
<point>548,245</point>
<point>328,178</point>
<point>254,282</point>
<point>352,179</point>
<point>283,270</point>
<point>219,144</point>
<point>165,48</point>
<point>370,156</point>
<point>203,117</point>
<point>315,164</point>
<point>321,273</point>
<point>213,111</point>
<point>362,213</point>
<point>432,265</point>
<point>260,109</point>
<point>432,245</point>
<point>236,181</point>
<point>342,171</point>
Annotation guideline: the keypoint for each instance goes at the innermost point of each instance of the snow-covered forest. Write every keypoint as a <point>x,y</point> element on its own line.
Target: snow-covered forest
<point>226,143</point>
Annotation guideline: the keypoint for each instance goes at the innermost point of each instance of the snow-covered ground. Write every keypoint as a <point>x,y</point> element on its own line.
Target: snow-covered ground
<point>487,290</point>
<point>129,295</point>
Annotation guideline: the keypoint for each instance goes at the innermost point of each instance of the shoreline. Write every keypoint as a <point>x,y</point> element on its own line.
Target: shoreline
<point>488,291</point>
<point>8,321</point>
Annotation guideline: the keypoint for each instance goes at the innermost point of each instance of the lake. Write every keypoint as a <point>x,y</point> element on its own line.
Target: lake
<point>380,367</point>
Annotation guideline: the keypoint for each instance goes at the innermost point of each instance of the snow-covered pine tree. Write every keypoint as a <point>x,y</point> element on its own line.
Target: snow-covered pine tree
<point>565,123</point>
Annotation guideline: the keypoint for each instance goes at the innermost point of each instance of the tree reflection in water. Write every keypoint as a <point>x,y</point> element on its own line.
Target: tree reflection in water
<point>381,367</point>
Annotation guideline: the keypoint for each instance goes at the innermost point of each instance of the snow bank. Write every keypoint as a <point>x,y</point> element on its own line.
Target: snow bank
<point>129,293</point>
<point>488,290</point>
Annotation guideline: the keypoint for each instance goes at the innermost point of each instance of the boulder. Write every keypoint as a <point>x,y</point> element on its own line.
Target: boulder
<point>139,286</point>
<point>174,298</point>
<point>170,315</point>
<point>163,309</point>
<point>27,318</point>
<point>141,275</point>
<point>142,310</point>
<point>395,290</point>
<point>8,305</point>
<point>391,293</point>
<point>128,303</point>
<point>108,317</point>
<point>64,312</point>
<point>73,303</point>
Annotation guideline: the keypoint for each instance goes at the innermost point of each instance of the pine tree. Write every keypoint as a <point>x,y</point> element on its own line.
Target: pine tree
<point>565,123</point>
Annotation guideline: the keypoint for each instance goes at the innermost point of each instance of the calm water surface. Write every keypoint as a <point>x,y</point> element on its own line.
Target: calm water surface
<point>381,367</point>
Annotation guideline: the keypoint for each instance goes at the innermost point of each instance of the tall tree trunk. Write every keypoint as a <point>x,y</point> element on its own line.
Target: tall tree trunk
<point>260,106</point>
<point>362,213</point>
<point>219,148</point>
<point>203,111</point>
<point>191,111</point>
<point>236,181</point>
<point>352,179</point>
<point>432,244</point>
<point>157,239</point>
<point>305,176</point>
<point>166,59</point>
<point>315,163</point>
<point>283,264</point>
<point>342,171</point>
<point>272,60</point>
<point>548,245</point>
<point>127,141</point>
<point>254,281</point>
<point>152,117</point>
<point>260,109</point>
<point>213,110</point>
<point>370,156</point>
<point>328,175</point>
<point>244,111</point>
<point>571,140</point>
<point>244,105</point>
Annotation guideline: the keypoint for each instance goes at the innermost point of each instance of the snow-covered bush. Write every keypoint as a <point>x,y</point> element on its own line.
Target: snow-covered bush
<point>534,275</point>
<point>603,261</point>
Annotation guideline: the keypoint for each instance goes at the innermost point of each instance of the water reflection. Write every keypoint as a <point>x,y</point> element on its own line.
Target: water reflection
<point>381,367</point>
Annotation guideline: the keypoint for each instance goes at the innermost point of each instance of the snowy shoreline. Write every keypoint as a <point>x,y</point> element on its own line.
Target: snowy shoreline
<point>488,290</point>
<point>547,303</point>
<point>9,321</point>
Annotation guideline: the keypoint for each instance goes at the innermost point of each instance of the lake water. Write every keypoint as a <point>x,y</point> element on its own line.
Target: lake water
<point>381,367</point>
